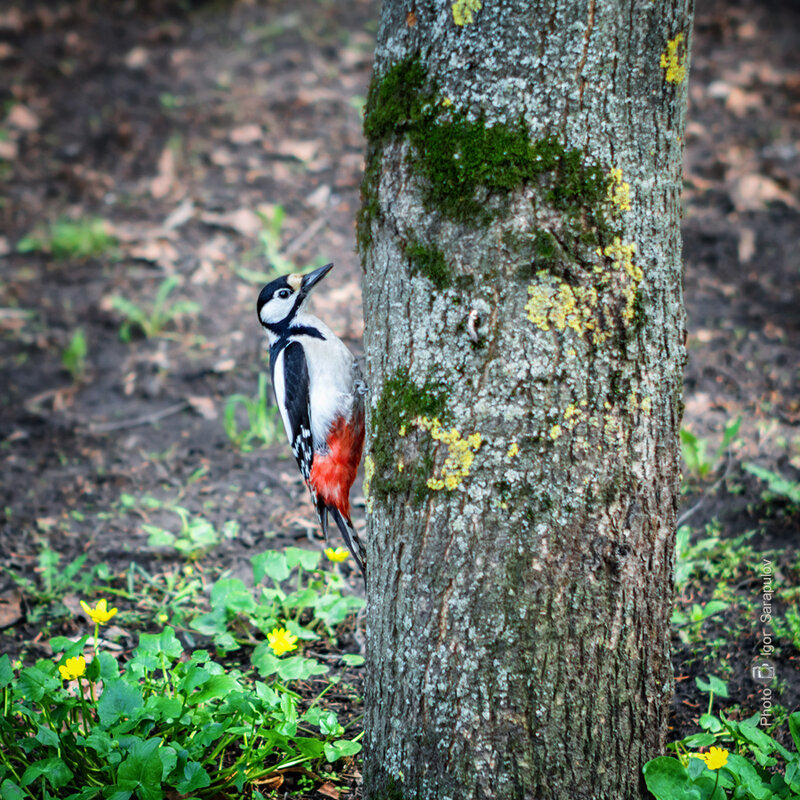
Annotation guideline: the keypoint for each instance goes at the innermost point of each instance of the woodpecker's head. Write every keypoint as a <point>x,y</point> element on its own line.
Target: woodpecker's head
<point>281,300</point>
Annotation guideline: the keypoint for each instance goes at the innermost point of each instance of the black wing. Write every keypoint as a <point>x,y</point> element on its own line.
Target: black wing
<point>295,381</point>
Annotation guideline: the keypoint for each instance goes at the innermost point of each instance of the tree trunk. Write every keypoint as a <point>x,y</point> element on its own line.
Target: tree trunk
<point>524,336</point>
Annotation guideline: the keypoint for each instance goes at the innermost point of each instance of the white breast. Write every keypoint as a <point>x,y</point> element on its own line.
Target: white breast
<point>330,378</point>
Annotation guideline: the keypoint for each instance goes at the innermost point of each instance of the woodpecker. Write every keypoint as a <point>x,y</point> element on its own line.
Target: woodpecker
<point>320,396</point>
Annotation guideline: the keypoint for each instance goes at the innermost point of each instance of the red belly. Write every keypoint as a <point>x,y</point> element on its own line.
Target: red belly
<point>333,473</point>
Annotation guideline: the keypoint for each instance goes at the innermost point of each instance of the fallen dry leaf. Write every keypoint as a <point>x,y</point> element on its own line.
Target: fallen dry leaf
<point>329,790</point>
<point>156,252</point>
<point>302,151</point>
<point>22,118</point>
<point>246,134</point>
<point>10,608</point>
<point>740,102</point>
<point>243,221</point>
<point>204,406</point>
<point>8,149</point>
<point>754,192</point>
<point>747,245</point>
<point>136,58</point>
<point>180,215</point>
<point>161,185</point>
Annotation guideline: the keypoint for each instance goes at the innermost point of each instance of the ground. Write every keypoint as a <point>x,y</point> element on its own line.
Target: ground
<point>218,141</point>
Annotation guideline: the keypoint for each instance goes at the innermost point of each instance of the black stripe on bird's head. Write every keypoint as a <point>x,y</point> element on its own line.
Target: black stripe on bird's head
<point>280,300</point>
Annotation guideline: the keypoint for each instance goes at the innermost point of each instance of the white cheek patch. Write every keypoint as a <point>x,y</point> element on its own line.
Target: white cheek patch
<point>276,309</point>
<point>295,281</point>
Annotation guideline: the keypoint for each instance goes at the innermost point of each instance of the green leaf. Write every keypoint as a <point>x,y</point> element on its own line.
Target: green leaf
<point>35,683</point>
<point>11,791</point>
<point>794,726</point>
<point>194,777</point>
<point>217,686</point>
<point>119,699</point>
<point>297,668</point>
<point>710,722</point>
<point>668,779</point>
<point>698,740</point>
<point>714,684</point>
<point>271,563</point>
<point>6,672</point>
<point>54,770</point>
<point>353,659</point>
<point>340,749</point>
<point>157,644</point>
<point>307,559</point>
<point>142,770</point>
<point>47,736</point>
<point>232,595</point>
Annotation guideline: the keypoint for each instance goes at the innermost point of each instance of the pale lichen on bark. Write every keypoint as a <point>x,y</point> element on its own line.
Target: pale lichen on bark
<point>570,394</point>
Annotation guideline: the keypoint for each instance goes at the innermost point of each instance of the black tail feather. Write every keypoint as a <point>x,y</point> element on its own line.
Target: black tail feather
<point>350,537</point>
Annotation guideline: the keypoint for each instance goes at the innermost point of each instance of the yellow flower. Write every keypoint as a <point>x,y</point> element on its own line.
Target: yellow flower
<point>281,641</point>
<point>74,668</point>
<point>101,614</point>
<point>716,757</point>
<point>339,554</point>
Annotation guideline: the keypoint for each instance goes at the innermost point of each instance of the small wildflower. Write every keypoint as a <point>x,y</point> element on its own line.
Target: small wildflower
<point>73,668</point>
<point>101,613</point>
<point>338,554</point>
<point>162,618</point>
<point>716,757</point>
<point>281,641</point>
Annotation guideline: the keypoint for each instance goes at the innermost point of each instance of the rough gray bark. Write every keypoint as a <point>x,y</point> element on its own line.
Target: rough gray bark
<point>524,354</point>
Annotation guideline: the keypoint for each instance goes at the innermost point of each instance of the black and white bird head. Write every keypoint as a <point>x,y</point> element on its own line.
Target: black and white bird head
<point>282,300</point>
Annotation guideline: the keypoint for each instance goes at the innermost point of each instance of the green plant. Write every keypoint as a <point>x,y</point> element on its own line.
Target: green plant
<point>690,623</point>
<point>778,485</point>
<point>71,239</point>
<point>314,604</point>
<point>753,772</point>
<point>271,249</point>
<point>263,422</point>
<point>712,556</point>
<point>73,358</point>
<point>195,537</point>
<point>54,581</point>
<point>152,322</point>
<point>167,722</point>
<point>695,450</point>
<point>788,627</point>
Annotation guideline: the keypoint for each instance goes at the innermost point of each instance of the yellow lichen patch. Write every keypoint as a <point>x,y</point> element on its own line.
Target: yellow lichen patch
<point>460,453</point>
<point>646,405</point>
<point>621,254</point>
<point>555,432</point>
<point>572,416</point>
<point>402,431</point>
<point>673,60</point>
<point>401,465</point>
<point>512,450</point>
<point>619,191</point>
<point>369,471</point>
<point>463,11</point>
<point>556,304</point>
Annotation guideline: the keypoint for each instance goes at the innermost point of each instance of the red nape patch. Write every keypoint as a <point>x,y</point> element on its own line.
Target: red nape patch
<point>333,473</point>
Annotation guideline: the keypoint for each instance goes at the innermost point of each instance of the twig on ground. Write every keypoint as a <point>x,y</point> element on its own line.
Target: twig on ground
<point>133,422</point>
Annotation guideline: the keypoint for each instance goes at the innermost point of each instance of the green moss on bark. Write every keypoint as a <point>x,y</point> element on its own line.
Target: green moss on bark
<point>399,404</point>
<point>465,162</point>
<point>429,260</point>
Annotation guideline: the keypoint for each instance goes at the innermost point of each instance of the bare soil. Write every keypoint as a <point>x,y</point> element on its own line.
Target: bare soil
<point>180,123</point>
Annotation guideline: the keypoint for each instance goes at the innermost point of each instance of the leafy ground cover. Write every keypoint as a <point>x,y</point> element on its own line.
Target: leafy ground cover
<point>157,164</point>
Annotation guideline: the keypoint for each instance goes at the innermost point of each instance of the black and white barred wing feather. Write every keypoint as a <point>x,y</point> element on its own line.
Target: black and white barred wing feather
<point>290,379</point>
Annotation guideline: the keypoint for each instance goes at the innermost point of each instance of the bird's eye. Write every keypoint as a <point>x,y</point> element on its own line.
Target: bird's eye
<point>284,293</point>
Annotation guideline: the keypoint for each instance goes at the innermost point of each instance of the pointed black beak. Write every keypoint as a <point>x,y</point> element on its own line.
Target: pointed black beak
<point>313,278</point>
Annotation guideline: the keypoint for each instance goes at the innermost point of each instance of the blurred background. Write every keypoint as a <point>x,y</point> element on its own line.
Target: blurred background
<point>160,161</point>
